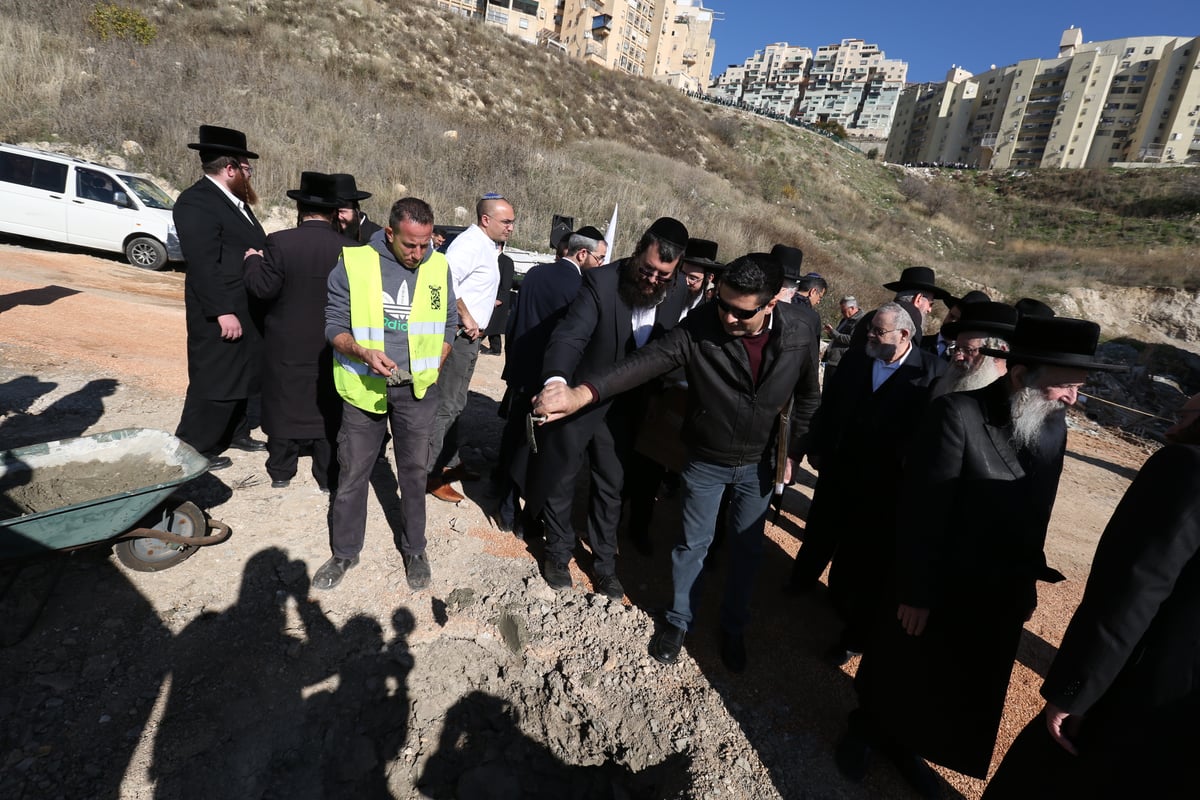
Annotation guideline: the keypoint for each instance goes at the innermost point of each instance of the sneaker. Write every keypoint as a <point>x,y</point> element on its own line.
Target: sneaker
<point>558,575</point>
<point>609,586</point>
<point>331,572</point>
<point>416,566</point>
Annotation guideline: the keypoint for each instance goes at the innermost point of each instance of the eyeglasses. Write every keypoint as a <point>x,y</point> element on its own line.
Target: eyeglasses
<point>879,332</point>
<point>246,168</point>
<point>967,352</point>
<point>738,313</point>
<point>657,277</point>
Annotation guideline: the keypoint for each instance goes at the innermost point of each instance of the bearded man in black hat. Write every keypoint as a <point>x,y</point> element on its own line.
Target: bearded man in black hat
<point>300,406</point>
<point>986,465</point>
<point>979,327</point>
<point>698,266</point>
<point>216,230</point>
<point>351,220</point>
<point>619,308</point>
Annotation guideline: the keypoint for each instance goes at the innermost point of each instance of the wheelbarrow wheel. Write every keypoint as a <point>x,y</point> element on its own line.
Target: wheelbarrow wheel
<point>154,555</point>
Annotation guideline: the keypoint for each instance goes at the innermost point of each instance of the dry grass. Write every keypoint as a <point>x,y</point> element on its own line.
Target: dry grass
<point>371,87</point>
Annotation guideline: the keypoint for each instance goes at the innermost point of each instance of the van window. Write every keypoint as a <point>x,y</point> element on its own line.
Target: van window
<point>151,194</point>
<point>28,171</point>
<point>92,185</point>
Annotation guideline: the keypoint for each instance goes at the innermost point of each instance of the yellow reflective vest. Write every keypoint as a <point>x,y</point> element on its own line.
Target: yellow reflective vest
<point>357,383</point>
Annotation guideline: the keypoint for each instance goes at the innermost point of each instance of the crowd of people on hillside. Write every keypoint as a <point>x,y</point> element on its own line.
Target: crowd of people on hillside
<point>669,367</point>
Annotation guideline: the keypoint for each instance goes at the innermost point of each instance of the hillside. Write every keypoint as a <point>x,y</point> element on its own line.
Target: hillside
<point>413,99</point>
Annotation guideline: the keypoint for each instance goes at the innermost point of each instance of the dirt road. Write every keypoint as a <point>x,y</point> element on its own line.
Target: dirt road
<point>224,677</point>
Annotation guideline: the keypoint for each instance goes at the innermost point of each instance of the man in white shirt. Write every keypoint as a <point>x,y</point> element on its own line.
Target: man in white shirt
<point>474,268</point>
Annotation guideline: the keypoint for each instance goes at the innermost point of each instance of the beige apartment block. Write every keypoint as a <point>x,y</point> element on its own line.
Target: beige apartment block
<point>685,48</point>
<point>614,34</point>
<point>1132,100</point>
<point>529,20</point>
<point>855,84</point>
<point>772,80</point>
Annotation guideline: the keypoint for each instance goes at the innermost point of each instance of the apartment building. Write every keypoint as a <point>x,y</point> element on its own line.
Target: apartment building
<point>855,84</point>
<point>684,56</point>
<point>771,80</point>
<point>852,83</point>
<point>525,19</point>
<point>1131,100</point>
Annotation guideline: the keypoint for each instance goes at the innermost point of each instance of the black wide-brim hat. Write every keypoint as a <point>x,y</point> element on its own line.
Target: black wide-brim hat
<point>702,252</point>
<point>918,279</point>
<point>973,296</point>
<point>1028,307</point>
<point>316,189</point>
<point>995,319</point>
<point>347,188</point>
<point>791,259</point>
<point>670,230</point>
<point>217,141</point>
<point>1056,342</point>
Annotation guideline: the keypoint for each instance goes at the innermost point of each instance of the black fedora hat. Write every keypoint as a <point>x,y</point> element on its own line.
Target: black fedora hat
<point>702,252</point>
<point>217,141</point>
<point>791,259</point>
<point>591,232</point>
<point>1057,342</point>
<point>918,279</point>
<point>1028,307</point>
<point>316,189</point>
<point>347,188</point>
<point>670,230</point>
<point>996,319</point>
<point>973,296</point>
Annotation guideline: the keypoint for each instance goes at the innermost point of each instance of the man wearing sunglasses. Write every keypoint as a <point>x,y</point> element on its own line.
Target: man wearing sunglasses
<point>746,357</point>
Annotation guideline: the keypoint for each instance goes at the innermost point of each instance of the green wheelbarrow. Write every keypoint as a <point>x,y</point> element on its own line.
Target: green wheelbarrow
<point>108,488</point>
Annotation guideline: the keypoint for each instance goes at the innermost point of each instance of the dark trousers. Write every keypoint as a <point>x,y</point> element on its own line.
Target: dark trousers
<point>512,461</point>
<point>454,379</point>
<point>606,446</point>
<point>284,454</point>
<point>358,445</point>
<point>210,425</point>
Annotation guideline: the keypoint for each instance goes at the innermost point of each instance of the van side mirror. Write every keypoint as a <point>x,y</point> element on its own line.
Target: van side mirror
<point>121,199</point>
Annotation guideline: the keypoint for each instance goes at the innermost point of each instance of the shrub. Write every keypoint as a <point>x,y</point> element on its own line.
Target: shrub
<point>111,21</point>
<point>873,154</point>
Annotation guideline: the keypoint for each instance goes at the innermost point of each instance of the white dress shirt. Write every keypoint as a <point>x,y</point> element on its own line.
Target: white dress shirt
<point>475,269</point>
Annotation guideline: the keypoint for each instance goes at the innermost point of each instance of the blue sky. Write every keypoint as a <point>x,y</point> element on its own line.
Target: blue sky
<point>933,36</point>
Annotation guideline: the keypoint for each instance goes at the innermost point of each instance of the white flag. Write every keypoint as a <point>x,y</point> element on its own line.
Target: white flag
<point>610,235</point>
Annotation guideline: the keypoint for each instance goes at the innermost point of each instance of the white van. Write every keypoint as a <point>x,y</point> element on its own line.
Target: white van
<point>70,200</point>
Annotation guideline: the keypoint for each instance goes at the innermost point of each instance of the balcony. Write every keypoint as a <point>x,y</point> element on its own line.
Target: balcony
<point>689,58</point>
<point>601,26</point>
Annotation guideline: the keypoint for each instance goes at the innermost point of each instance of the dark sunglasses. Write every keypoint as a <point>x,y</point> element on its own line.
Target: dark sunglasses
<point>738,313</point>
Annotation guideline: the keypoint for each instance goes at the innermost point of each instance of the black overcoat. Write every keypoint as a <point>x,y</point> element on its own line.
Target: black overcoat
<point>860,439</point>
<point>498,324</point>
<point>299,400</point>
<point>1129,664</point>
<point>970,554</point>
<point>545,293</point>
<point>214,235</point>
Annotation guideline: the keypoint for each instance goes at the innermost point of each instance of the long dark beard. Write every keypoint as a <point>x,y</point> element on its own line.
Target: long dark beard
<point>351,229</point>
<point>630,291</point>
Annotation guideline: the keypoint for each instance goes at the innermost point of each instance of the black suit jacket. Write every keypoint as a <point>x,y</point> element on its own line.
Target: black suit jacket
<point>214,235</point>
<point>597,330</point>
<point>546,292</point>
<point>298,397</point>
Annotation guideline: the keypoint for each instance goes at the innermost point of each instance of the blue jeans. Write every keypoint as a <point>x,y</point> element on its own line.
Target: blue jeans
<point>750,487</point>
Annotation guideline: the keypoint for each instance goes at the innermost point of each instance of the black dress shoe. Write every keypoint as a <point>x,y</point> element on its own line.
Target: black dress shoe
<point>838,656</point>
<point>733,651</point>
<point>219,462</point>
<point>416,568</point>
<point>666,643</point>
<point>610,587</point>
<point>852,755</point>
<point>917,773</point>
<point>281,484</point>
<point>332,571</point>
<point>248,445</point>
<point>558,575</point>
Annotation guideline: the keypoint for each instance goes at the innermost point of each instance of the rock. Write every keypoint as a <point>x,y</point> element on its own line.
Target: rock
<point>460,213</point>
<point>459,599</point>
<point>131,148</point>
<point>399,189</point>
<point>450,136</point>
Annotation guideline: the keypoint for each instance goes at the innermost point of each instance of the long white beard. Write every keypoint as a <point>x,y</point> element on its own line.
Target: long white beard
<point>957,379</point>
<point>1030,411</point>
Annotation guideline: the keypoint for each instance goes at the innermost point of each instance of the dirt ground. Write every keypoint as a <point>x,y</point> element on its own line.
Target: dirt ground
<point>224,677</point>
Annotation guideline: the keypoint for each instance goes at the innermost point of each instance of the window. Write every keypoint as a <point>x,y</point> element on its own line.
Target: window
<point>1148,51</point>
<point>92,185</point>
<point>34,172</point>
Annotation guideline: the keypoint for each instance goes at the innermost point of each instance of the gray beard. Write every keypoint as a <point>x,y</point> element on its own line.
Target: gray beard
<point>881,351</point>
<point>1030,413</point>
<point>957,379</point>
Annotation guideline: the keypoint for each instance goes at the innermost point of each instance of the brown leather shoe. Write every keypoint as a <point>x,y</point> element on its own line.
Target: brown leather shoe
<point>443,491</point>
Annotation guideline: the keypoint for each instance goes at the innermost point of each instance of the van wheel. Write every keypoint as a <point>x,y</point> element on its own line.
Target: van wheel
<point>146,253</point>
